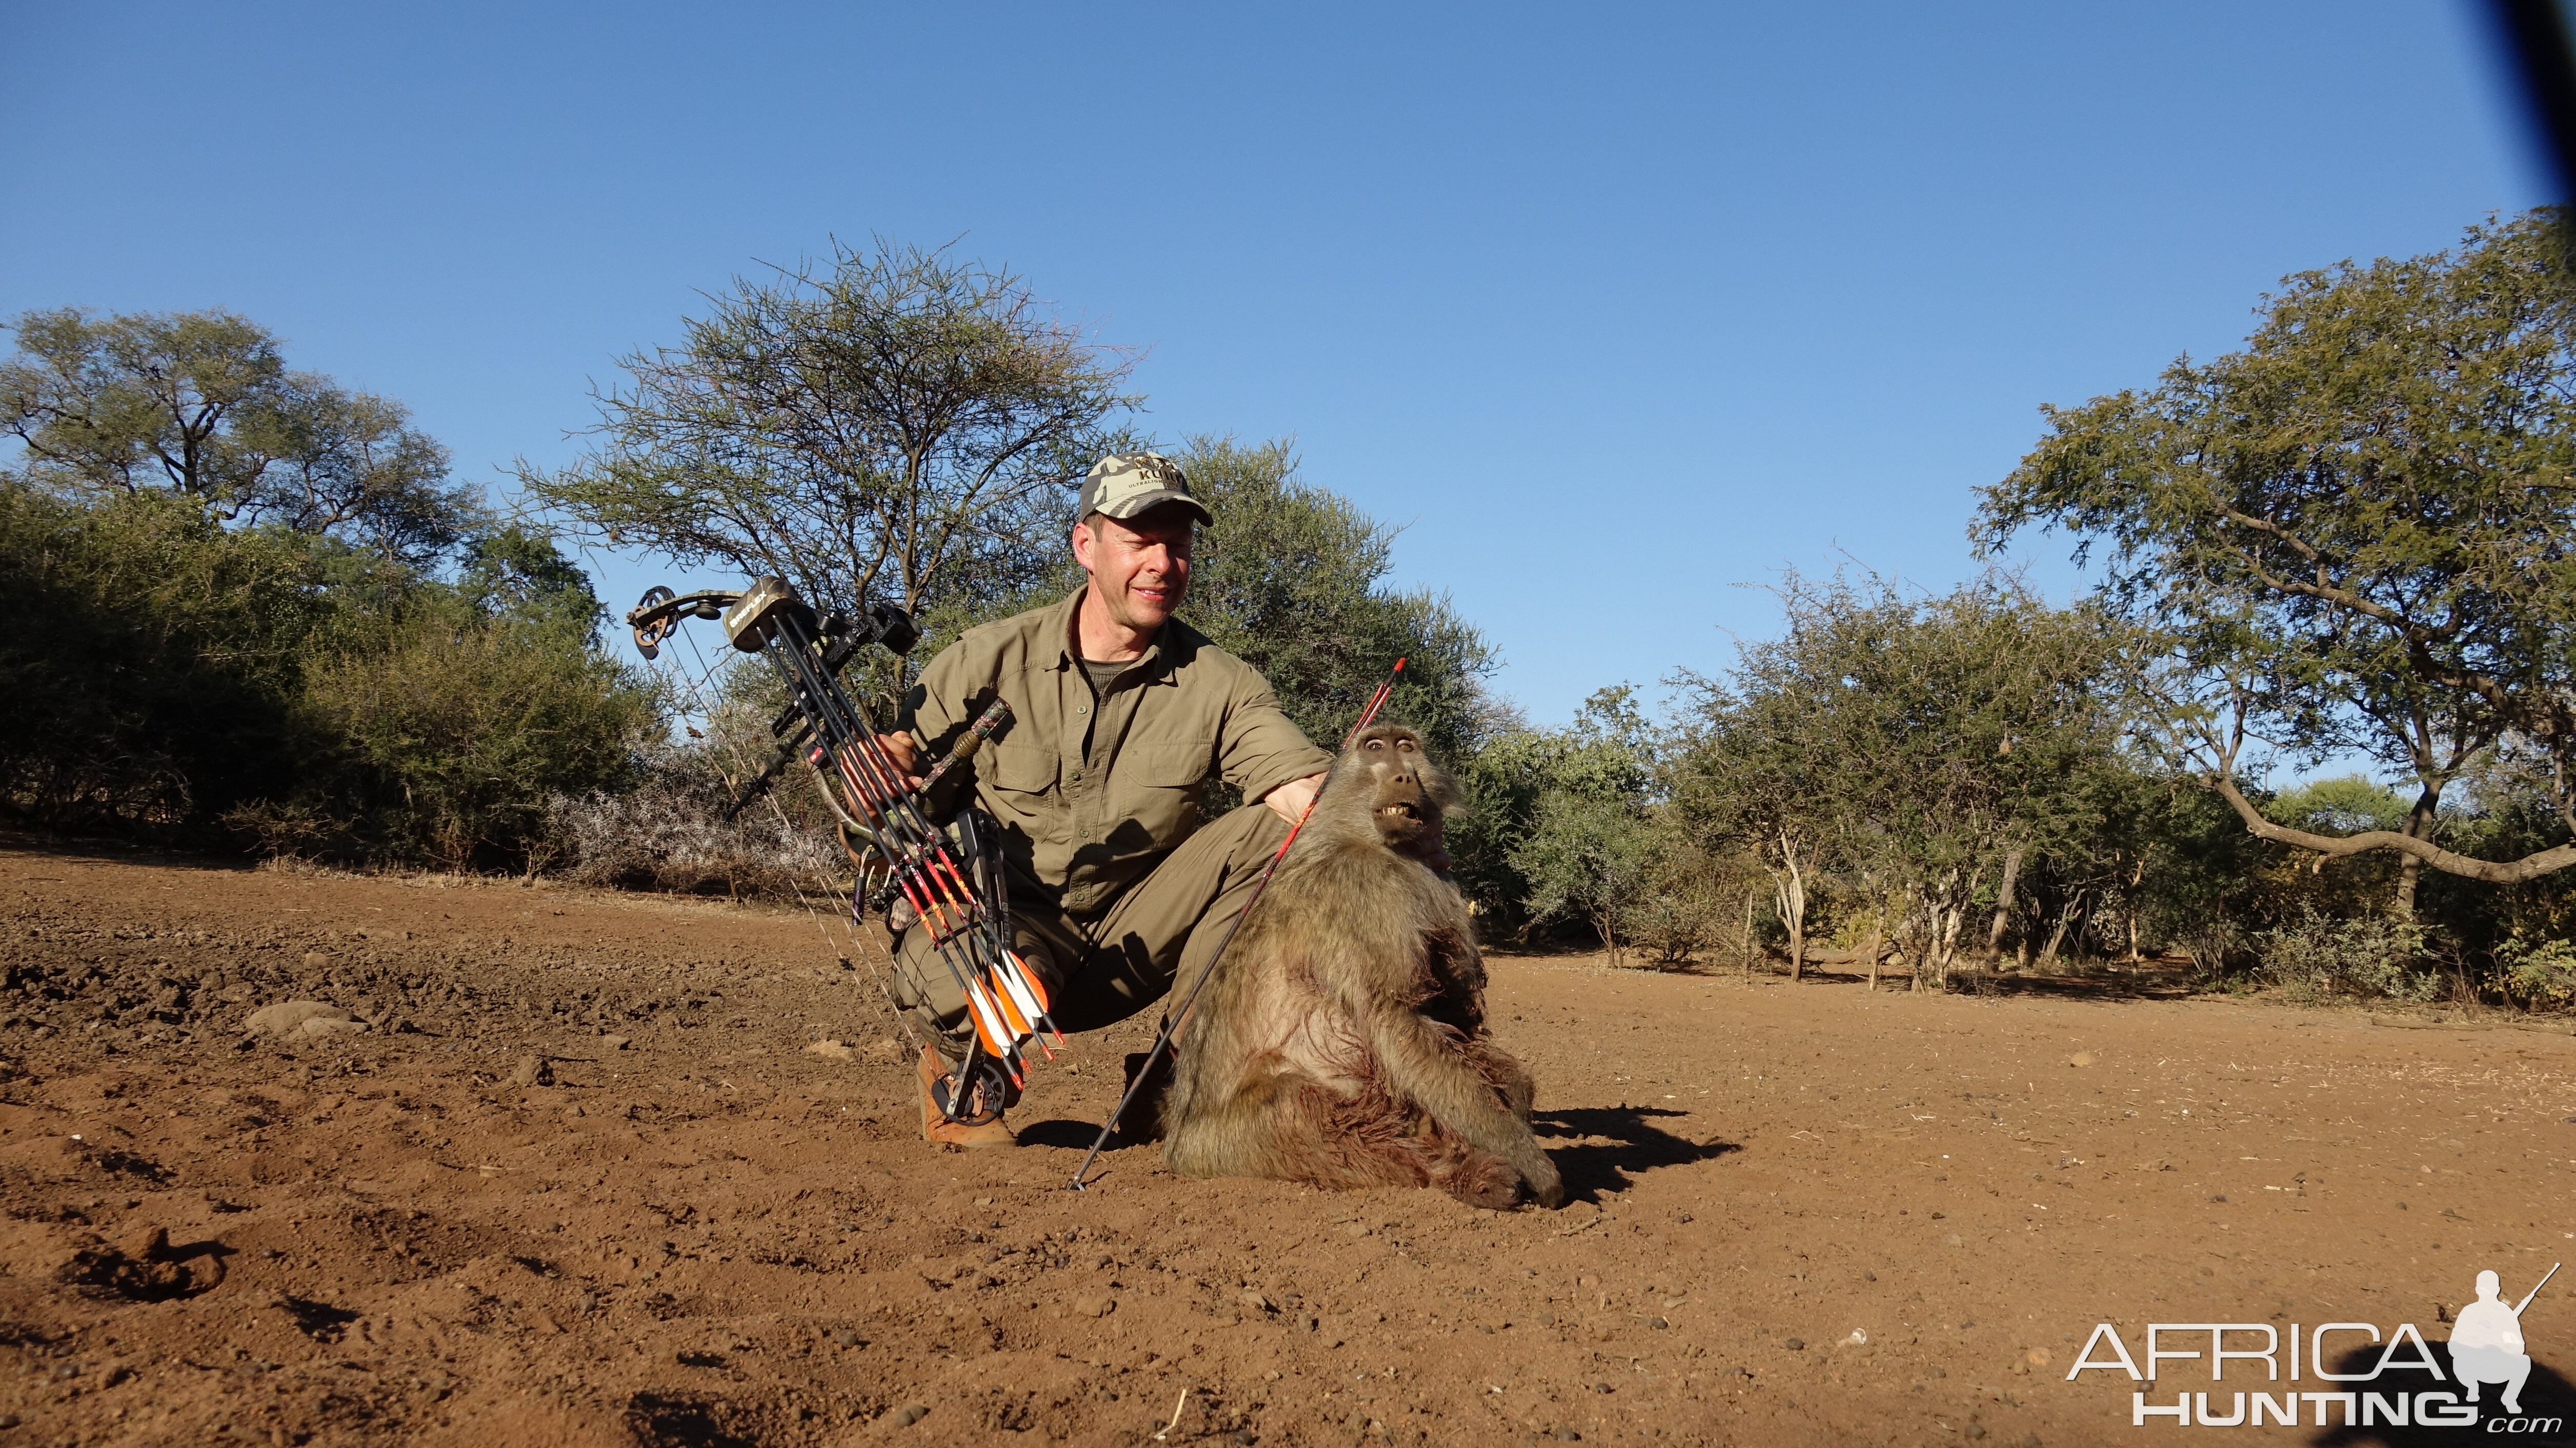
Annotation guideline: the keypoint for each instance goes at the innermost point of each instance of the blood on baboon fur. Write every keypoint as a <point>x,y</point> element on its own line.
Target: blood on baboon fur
<point>1342,1039</point>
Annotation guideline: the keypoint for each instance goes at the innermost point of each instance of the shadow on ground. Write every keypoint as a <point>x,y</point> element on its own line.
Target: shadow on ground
<point>1831,967</point>
<point>120,852</point>
<point>1629,1145</point>
<point>2126,985</point>
<point>2154,983</point>
<point>2548,1406</point>
<point>1078,1135</point>
<point>1605,1149</point>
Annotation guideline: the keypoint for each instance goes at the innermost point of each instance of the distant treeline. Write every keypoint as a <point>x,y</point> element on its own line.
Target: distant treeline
<point>246,606</point>
<point>254,612</point>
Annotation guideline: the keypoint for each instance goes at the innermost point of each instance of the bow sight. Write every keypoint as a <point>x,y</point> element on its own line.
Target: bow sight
<point>951,877</point>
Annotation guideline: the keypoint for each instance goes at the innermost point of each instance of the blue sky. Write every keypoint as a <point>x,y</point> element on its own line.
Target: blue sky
<point>1614,307</point>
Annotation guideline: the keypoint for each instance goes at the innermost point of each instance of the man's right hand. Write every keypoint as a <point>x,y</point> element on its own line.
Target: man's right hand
<point>1291,800</point>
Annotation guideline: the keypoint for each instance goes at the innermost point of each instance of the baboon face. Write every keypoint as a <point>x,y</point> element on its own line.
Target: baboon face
<point>1406,792</point>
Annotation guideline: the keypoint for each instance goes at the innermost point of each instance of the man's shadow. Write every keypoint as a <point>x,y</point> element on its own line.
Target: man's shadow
<point>1631,1145</point>
<point>1076,1135</point>
<point>2545,1395</point>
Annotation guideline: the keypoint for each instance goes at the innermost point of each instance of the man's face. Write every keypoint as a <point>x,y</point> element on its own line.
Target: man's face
<point>1139,566</point>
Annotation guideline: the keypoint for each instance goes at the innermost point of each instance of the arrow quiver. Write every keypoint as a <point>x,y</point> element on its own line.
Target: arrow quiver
<point>950,876</point>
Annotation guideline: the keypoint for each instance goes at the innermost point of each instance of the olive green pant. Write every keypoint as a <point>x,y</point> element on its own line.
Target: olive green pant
<point>1101,969</point>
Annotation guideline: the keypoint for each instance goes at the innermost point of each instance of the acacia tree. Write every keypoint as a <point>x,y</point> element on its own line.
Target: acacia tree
<point>200,405</point>
<point>2353,534</point>
<point>1747,776</point>
<point>1587,846</point>
<point>1291,578</point>
<point>1920,748</point>
<point>892,423</point>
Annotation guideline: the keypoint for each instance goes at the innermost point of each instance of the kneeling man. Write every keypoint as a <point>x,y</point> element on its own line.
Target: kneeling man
<point>1120,713</point>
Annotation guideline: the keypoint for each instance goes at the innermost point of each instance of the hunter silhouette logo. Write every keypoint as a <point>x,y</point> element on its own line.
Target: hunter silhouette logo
<point>2486,1347</point>
<point>2486,1342</point>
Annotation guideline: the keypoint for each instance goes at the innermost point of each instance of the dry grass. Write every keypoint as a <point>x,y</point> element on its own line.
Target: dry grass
<point>670,834</point>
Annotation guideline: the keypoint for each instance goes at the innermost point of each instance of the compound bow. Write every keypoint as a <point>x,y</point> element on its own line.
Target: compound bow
<point>952,878</point>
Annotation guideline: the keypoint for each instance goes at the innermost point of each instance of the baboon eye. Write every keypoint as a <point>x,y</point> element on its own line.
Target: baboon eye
<point>1377,744</point>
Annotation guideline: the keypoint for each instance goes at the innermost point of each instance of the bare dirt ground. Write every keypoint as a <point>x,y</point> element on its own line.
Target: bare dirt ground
<point>1804,1214</point>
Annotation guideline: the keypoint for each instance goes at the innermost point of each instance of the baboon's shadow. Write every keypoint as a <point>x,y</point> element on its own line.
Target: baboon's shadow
<point>2547,1394</point>
<point>1631,1145</point>
<point>1604,1148</point>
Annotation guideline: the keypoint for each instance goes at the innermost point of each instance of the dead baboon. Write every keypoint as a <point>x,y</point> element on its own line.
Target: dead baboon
<point>1342,1040</point>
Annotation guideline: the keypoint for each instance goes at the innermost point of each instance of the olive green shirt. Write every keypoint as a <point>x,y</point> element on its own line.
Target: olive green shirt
<point>1093,790</point>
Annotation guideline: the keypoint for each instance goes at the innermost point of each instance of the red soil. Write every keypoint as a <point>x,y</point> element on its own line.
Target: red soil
<point>1804,1214</point>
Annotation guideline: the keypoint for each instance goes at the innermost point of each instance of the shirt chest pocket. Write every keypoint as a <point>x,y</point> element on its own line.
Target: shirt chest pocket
<point>1157,785</point>
<point>1016,770</point>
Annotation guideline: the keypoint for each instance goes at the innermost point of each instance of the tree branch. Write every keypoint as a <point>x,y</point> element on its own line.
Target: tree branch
<point>2493,872</point>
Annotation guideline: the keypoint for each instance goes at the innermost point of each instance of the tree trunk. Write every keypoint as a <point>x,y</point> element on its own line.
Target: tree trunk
<point>2129,908</point>
<point>1749,897</point>
<point>2003,904</point>
<point>1876,941</point>
<point>1791,886</point>
<point>1908,945</point>
<point>1947,917</point>
<point>2419,826</point>
<point>2057,936</point>
<point>1951,922</point>
<point>2048,952</point>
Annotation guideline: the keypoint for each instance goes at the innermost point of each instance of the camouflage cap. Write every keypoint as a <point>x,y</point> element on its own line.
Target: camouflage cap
<point>1123,485</point>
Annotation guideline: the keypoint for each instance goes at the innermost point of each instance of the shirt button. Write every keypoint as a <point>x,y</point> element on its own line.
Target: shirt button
<point>1082,709</point>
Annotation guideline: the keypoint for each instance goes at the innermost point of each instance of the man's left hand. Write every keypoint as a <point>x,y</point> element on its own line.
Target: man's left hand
<point>906,757</point>
<point>1289,801</point>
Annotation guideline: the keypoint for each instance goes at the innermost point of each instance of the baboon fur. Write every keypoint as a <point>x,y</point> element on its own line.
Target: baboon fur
<point>1342,1039</point>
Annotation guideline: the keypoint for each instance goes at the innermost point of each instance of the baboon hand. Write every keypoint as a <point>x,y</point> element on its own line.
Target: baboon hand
<point>1545,1187</point>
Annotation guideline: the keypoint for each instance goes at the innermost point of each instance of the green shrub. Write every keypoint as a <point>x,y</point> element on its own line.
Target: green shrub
<point>463,730</point>
<point>2542,972</point>
<point>1586,857</point>
<point>194,684</point>
<point>1689,899</point>
<point>2369,956</point>
<point>151,659</point>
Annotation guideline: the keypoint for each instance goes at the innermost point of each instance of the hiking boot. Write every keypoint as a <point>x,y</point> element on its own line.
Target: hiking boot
<point>935,1125</point>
